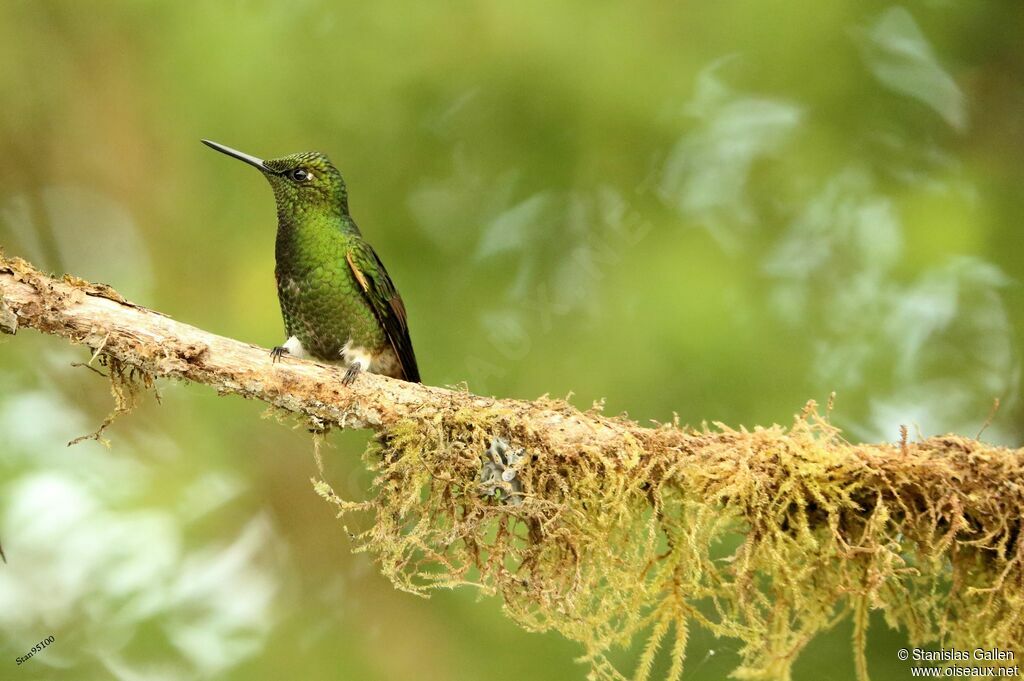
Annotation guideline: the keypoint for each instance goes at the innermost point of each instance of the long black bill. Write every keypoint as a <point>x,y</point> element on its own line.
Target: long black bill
<point>235,153</point>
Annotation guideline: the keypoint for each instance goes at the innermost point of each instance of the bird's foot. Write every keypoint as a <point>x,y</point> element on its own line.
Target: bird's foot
<point>277,353</point>
<point>351,373</point>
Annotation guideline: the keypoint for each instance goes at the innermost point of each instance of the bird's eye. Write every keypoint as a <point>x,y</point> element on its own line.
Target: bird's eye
<point>299,175</point>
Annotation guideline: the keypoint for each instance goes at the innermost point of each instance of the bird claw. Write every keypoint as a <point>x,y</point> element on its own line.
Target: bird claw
<point>277,353</point>
<point>350,374</point>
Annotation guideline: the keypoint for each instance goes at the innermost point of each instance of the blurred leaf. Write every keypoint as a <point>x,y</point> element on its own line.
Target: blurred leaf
<point>902,59</point>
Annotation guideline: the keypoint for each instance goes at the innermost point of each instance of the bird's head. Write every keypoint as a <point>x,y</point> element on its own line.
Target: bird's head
<point>301,182</point>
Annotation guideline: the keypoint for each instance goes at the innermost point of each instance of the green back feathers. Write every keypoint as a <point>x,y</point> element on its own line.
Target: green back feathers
<point>386,303</point>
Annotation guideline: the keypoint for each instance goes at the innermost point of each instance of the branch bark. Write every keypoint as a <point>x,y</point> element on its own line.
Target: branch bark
<point>96,316</point>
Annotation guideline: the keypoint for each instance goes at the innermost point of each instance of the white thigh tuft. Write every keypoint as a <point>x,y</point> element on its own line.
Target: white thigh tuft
<point>352,354</point>
<point>294,348</point>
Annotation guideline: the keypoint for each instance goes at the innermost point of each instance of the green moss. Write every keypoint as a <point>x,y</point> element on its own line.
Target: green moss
<point>611,546</point>
<point>127,382</point>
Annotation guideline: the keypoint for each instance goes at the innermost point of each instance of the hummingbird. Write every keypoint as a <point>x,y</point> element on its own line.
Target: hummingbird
<point>338,302</point>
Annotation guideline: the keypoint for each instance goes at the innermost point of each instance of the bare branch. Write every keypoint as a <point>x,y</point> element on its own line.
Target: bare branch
<point>100,318</point>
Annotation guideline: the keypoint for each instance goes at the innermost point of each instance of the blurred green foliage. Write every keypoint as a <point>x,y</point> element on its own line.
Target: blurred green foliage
<point>717,210</point>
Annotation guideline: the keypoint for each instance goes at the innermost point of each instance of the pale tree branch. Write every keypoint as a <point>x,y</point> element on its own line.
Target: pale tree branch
<point>96,316</point>
<point>606,530</point>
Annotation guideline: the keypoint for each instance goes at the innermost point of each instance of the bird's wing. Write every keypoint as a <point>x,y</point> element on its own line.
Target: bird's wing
<point>385,302</point>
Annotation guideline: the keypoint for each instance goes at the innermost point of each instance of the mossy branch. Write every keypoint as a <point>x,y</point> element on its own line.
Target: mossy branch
<point>609,530</point>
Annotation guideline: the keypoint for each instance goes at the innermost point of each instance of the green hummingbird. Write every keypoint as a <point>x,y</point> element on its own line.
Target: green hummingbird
<point>338,302</point>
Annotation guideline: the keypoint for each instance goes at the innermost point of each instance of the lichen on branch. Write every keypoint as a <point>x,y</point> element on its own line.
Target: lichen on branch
<point>618,533</point>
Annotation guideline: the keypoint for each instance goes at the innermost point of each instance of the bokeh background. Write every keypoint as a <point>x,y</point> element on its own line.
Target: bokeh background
<point>718,210</point>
